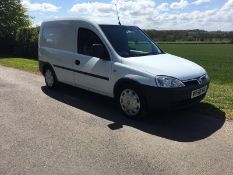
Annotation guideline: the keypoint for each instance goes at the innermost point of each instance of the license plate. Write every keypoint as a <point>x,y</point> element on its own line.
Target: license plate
<point>199,92</point>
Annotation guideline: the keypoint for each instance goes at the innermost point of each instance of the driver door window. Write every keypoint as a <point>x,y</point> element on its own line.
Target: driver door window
<point>86,40</point>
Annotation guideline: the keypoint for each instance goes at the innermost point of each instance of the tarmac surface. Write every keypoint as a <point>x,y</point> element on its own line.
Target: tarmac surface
<point>72,131</point>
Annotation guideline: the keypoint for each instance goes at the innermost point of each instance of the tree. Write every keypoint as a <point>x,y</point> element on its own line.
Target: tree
<point>12,17</point>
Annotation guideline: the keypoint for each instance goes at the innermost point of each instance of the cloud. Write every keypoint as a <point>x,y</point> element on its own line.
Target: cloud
<point>146,14</point>
<point>179,5</point>
<point>42,7</point>
<point>228,5</point>
<point>199,2</point>
<point>163,7</point>
<point>92,7</point>
<point>127,9</point>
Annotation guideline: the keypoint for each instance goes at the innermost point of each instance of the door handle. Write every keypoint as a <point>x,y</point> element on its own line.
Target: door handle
<point>77,62</point>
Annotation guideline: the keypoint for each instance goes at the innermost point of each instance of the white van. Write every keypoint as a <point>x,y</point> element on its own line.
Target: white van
<point>118,61</point>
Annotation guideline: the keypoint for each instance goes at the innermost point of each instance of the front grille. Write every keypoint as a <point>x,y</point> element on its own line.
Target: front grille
<point>191,83</point>
<point>196,81</point>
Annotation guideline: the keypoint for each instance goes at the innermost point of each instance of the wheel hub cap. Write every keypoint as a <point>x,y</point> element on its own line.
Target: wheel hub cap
<point>130,103</point>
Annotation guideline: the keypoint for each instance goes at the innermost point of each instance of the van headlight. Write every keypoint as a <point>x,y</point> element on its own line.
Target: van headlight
<point>168,82</point>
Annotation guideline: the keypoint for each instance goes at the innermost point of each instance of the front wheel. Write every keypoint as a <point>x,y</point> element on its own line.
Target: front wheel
<point>132,102</point>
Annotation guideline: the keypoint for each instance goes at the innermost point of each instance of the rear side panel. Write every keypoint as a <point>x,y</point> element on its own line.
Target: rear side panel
<point>56,46</point>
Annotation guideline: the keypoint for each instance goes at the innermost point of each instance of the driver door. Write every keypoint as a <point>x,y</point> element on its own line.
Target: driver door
<point>91,72</point>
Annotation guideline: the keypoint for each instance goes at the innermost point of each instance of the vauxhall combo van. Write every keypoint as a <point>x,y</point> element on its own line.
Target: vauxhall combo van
<point>118,61</point>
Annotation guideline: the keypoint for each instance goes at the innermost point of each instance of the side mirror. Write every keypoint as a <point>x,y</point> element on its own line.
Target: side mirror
<point>98,51</point>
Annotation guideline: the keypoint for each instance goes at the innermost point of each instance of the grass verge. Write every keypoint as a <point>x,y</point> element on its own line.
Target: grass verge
<point>21,63</point>
<point>221,96</point>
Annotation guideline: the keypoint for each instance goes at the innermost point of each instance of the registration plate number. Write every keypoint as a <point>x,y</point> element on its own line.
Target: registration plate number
<point>199,92</point>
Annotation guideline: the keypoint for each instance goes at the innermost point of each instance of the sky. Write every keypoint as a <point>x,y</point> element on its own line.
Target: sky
<point>210,15</point>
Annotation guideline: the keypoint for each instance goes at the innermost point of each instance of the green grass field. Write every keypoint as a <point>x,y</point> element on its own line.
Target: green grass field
<point>217,59</point>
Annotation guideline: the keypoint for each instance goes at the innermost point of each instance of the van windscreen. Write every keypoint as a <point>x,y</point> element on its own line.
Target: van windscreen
<point>130,41</point>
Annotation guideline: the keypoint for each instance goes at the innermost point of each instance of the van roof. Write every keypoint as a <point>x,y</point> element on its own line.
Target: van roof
<point>70,19</point>
<point>79,19</point>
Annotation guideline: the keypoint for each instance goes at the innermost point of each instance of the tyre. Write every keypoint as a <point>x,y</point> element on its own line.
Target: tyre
<point>50,78</point>
<point>131,102</point>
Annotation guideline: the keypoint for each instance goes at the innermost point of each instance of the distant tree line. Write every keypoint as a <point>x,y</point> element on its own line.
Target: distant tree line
<point>190,35</point>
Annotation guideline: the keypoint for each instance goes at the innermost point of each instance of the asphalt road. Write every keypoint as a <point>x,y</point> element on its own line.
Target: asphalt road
<point>71,131</point>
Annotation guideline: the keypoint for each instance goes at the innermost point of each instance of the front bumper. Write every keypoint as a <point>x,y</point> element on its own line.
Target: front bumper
<point>168,98</point>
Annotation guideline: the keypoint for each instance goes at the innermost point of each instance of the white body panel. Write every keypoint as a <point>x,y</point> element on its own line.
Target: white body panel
<point>58,47</point>
<point>166,64</point>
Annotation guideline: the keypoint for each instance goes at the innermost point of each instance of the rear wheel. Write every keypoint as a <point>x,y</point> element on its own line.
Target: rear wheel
<point>50,78</point>
<point>132,102</point>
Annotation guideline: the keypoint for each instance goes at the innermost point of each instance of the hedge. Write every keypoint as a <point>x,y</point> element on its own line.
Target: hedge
<point>7,44</point>
<point>26,42</point>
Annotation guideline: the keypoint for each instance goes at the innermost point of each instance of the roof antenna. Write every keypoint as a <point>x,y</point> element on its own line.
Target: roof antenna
<point>118,17</point>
